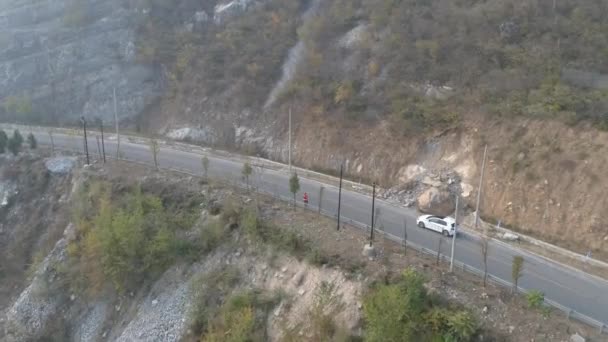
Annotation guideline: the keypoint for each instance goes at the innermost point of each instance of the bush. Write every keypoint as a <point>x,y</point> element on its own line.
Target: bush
<point>405,312</point>
<point>15,142</point>
<point>125,239</point>
<point>31,140</point>
<point>243,317</point>
<point>209,290</point>
<point>3,141</point>
<point>535,299</point>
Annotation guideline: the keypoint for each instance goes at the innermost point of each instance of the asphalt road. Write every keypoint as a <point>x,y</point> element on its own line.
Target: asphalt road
<point>571,288</point>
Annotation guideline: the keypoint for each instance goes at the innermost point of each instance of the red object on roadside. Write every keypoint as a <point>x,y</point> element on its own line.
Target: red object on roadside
<point>305,198</point>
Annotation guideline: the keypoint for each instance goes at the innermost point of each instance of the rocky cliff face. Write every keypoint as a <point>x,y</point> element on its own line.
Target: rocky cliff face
<point>66,58</point>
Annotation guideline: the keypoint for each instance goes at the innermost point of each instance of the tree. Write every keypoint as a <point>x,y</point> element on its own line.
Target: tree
<point>321,188</point>
<point>3,141</point>
<point>439,243</point>
<point>205,163</point>
<point>516,270</point>
<point>404,237</point>
<point>15,142</point>
<point>483,244</point>
<point>246,172</point>
<point>394,312</point>
<point>294,187</point>
<point>31,140</point>
<point>155,149</point>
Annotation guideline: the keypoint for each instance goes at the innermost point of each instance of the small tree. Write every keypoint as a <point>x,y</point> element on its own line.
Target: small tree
<point>15,142</point>
<point>516,271</point>
<point>439,243</point>
<point>294,187</point>
<point>404,237</point>
<point>31,140</point>
<point>246,172</point>
<point>205,163</point>
<point>483,244</point>
<point>155,149</point>
<point>3,141</point>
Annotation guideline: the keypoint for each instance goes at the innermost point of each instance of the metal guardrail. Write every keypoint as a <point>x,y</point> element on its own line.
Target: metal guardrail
<point>570,313</point>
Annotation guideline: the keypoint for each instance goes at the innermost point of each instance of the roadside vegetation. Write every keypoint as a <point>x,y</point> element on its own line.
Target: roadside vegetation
<point>124,238</point>
<point>15,142</point>
<point>404,311</point>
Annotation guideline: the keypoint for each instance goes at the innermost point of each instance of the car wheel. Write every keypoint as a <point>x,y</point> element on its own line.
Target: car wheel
<point>446,233</point>
<point>421,224</point>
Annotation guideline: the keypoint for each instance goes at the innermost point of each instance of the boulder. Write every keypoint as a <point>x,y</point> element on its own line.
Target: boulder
<point>436,201</point>
<point>577,338</point>
<point>60,165</point>
<point>510,237</point>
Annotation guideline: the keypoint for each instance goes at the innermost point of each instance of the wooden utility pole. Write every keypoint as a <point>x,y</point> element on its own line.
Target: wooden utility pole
<point>371,236</point>
<point>103,144</point>
<point>289,152</point>
<point>116,121</point>
<point>483,167</point>
<point>340,195</point>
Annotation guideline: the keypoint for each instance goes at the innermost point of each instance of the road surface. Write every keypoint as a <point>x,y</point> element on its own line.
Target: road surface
<point>571,288</point>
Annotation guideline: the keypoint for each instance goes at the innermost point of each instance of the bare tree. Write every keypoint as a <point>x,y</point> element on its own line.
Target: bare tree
<point>205,163</point>
<point>439,243</point>
<point>484,245</point>
<point>155,149</point>
<point>516,271</point>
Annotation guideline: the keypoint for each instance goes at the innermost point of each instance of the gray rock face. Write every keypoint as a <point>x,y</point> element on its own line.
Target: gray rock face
<point>67,56</point>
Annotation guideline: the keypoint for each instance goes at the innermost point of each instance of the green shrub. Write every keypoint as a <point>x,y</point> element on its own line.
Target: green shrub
<point>3,141</point>
<point>535,299</point>
<point>212,235</point>
<point>15,142</point>
<point>124,238</point>
<point>31,140</point>
<point>404,312</point>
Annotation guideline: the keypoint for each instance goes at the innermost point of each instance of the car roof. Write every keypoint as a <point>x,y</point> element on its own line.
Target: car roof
<point>447,219</point>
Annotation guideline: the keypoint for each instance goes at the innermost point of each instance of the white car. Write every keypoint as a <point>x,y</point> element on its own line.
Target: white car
<point>443,225</point>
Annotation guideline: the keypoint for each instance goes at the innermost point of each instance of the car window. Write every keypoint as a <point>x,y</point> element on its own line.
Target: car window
<point>441,222</point>
<point>434,220</point>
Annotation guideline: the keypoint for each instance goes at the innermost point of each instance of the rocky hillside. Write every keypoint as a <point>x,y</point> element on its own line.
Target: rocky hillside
<point>63,59</point>
<point>405,93</point>
<point>117,252</point>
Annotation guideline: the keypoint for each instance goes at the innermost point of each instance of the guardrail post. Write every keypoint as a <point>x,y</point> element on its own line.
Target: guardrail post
<point>602,329</point>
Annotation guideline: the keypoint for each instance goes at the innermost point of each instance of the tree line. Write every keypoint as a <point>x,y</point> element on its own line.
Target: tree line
<point>14,144</point>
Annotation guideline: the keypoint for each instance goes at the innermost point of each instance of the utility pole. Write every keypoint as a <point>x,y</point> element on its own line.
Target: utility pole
<point>340,195</point>
<point>454,236</point>
<point>483,167</point>
<point>103,144</point>
<point>289,155</point>
<point>86,145</point>
<point>371,236</point>
<point>116,121</point>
